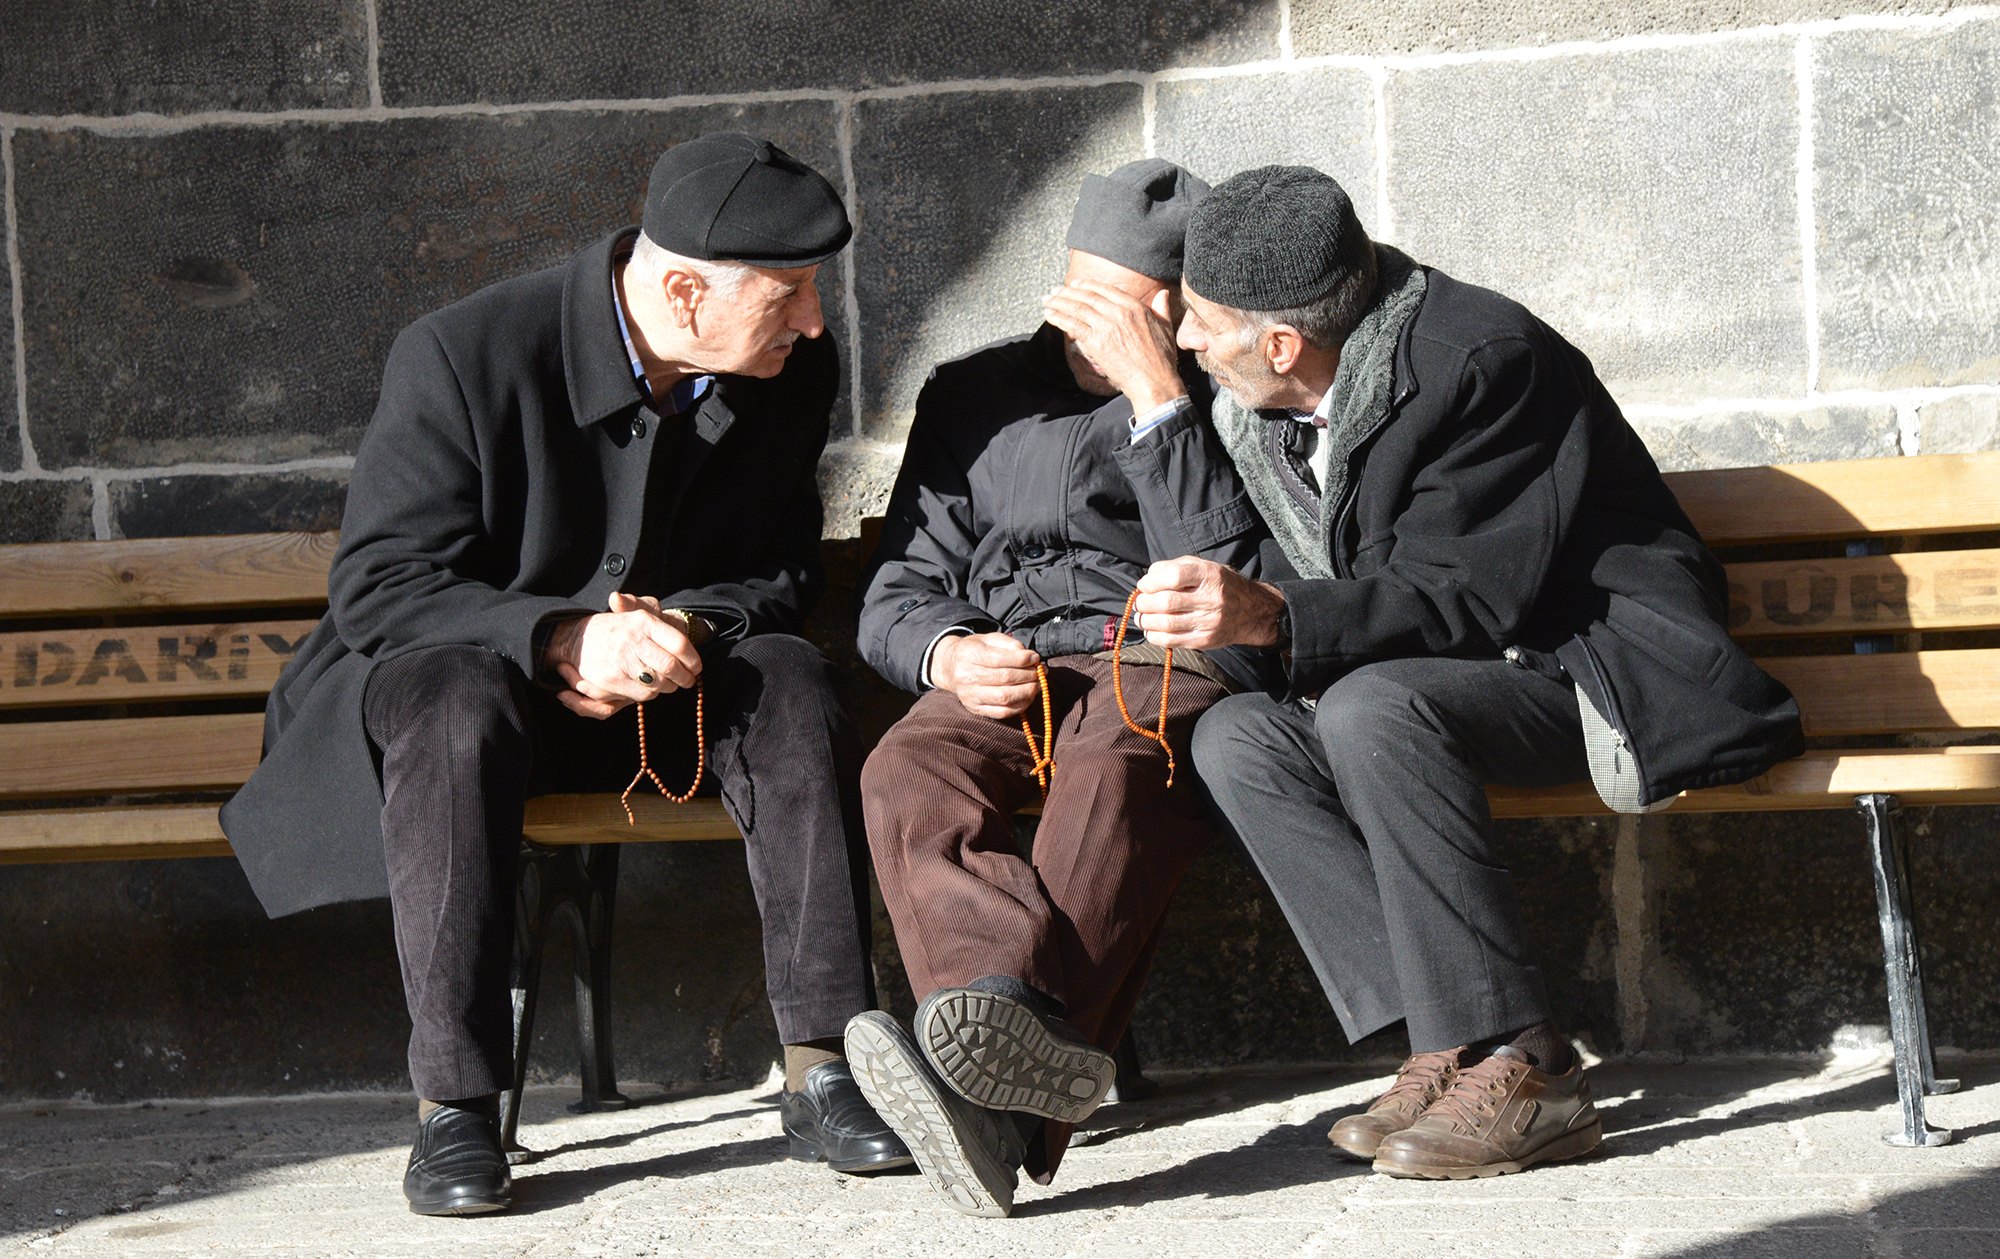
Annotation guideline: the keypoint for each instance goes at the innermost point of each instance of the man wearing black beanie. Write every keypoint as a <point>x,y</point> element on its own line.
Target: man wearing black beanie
<point>1476,575</point>
<point>582,490</point>
<point>1043,473</point>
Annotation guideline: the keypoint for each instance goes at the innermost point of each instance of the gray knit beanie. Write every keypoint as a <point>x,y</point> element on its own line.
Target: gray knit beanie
<point>1273,238</point>
<point>1137,216</point>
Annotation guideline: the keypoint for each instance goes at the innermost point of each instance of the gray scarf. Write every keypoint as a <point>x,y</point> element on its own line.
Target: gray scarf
<point>1362,389</point>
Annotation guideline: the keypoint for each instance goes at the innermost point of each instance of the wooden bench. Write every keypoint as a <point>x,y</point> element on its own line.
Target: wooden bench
<point>132,685</point>
<point>138,671</point>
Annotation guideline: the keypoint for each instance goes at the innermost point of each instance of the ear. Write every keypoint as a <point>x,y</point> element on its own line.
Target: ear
<point>683,293</point>
<point>1282,347</point>
<point>1162,305</point>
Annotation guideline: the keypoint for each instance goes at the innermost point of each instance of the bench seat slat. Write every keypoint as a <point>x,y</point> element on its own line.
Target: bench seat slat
<point>135,664</point>
<point>1872,594</point>
<point>1894,692</point>
<point>1817,780</point>
<point>191,830</point>
<point>239,571</point>
<point>1843,499</point>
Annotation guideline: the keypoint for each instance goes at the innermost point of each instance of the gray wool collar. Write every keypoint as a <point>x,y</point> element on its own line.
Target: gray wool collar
<point>1363,387</point>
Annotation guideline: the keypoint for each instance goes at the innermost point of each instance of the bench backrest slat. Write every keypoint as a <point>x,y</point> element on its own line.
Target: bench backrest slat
<point>1893,692</point>
<point>128,755</point>
<point>1872,594</point>
<point>136,664</point>
<point>1850,498</point>
<point>245,571</point>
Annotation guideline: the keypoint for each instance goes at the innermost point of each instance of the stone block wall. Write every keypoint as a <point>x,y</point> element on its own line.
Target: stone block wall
<point>1770,224</point>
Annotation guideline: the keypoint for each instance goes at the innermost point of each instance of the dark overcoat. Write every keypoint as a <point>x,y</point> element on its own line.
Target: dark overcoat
<point>502,485</point>
<point>1504,508</point>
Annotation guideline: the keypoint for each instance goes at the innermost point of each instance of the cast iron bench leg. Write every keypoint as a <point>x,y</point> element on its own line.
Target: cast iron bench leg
<point>1916,1070</point>
<point>577,883</point>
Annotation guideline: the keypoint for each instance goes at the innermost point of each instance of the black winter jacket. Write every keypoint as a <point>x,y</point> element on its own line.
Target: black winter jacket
<point>1022,505</point>
<point>1506,503</point>
<point>502,483</point>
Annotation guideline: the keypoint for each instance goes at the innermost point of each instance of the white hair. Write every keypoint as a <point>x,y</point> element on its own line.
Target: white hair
<point>650,264</point>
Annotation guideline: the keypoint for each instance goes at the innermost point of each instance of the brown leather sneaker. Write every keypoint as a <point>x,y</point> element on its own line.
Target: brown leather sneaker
<point>1500,1116</point>
<point>1422,1079</point>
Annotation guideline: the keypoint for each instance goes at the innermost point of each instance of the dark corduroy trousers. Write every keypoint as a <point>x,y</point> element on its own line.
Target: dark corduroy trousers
<point>1080,917</point>
<point>464,741</point>
<point>1368,820</point>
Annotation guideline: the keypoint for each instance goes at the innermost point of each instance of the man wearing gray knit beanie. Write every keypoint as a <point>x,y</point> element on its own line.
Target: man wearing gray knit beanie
<point>1043,474</point>
<point>1476,576</point>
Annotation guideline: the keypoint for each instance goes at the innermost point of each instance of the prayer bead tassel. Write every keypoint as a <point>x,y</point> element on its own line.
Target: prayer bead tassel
<point>1118,688</point>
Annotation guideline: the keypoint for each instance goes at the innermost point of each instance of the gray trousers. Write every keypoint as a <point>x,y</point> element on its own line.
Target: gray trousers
<point>1367,818</point>
<point>464,741</point>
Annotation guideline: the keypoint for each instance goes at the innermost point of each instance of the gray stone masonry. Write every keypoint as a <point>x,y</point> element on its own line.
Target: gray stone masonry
<point>1770,223</point>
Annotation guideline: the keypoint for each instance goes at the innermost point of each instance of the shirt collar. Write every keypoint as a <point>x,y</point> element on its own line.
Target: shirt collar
<point>1319,415</point>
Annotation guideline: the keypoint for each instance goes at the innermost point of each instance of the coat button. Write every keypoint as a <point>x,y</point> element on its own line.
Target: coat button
<point>614,564</point>
<point>638,426</point>
<point>1032,552</point>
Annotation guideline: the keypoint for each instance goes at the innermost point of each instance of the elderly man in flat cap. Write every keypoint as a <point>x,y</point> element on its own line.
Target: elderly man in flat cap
<point>584,489</point>
<point>1042,475</point>
<point>1476,576</point>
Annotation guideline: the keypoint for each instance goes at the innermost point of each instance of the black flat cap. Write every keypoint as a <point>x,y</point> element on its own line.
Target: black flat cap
<point>1137,216</point>
<point>1273,238</point>
<point>731,197</point>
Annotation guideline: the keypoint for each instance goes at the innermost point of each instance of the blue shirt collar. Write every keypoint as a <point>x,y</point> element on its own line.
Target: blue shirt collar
<point>681,396</point>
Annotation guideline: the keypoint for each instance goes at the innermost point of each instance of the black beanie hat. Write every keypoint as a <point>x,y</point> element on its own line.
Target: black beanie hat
<point>1273,238</point>
<point>730,197</point>
<point>1137,216</point>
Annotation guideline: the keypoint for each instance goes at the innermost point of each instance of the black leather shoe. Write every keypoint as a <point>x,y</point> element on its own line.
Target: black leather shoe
<point>456,1166</point>
<point>970,1155</point>
<point>998,1053</point>
<point>829,1119</point>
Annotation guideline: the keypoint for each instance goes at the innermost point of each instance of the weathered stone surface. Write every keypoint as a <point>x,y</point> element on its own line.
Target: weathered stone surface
<point>181,56</point>
<point>165,507</point>
<point>854,481</point>
<point>1322,118</point>
<point>1321,27</point>
<point>436,53</point>
<point>231,294</point>
<point>1745,439</point>
<point>1960,426</point>
<point>1768,939</point>
<point>207,996</point>
<point>1907,162</point>
<point>44,511</point>
<point>1642,203</point>
<point>965,200</point>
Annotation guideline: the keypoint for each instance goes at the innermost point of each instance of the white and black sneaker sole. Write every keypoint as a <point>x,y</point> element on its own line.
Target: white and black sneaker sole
<point>997,1053</point>
<point>951,1141</point>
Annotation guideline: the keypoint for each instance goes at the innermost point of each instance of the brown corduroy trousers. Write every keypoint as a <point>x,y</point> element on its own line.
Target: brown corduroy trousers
<point>1081,916</point>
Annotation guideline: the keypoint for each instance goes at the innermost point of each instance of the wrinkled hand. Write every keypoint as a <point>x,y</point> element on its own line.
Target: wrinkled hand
<point>1127,341</point>
<point>992,675</point>
<point>1190,602</point>
<point>602,656</point>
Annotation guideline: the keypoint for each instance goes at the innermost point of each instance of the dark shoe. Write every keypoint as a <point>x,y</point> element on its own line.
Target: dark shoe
<point>969,1154</point>
<point>1501,1115</point>
<point>456,1166</point>
<point>829,1119</point>
<point>1422,1080</point>
<point>998,1053</point>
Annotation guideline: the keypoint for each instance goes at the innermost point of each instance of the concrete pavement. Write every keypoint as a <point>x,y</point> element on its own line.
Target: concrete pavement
<point>1764,1158</point>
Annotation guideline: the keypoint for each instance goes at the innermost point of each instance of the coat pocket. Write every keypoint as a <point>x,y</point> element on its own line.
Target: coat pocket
<point>1690,654</point>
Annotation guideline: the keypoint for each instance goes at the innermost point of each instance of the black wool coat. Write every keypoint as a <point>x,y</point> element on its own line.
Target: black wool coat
<point>504,484</point>
<point>1023,506</point>
<point>1504,507</point>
